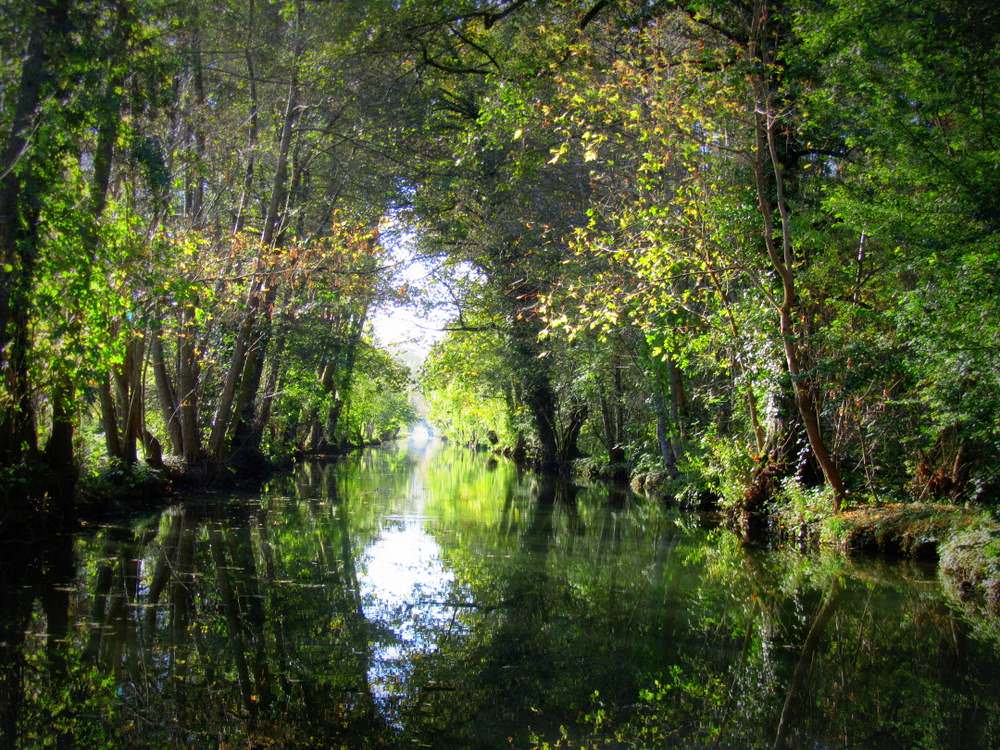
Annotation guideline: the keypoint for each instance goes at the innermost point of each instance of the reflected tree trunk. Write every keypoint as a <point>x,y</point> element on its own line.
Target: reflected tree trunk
<point>230,609</point>
<point>15,604</point>
<point>803,665</point>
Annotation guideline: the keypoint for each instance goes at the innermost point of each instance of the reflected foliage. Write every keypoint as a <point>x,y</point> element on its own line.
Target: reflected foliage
<point>437,597</point>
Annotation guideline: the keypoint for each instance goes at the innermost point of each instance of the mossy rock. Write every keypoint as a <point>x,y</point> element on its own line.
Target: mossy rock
<point>914,530</point>
<point>970,564</point>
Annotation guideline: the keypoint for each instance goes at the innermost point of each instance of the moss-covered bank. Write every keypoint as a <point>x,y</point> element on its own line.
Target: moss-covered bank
<point>963,541</point>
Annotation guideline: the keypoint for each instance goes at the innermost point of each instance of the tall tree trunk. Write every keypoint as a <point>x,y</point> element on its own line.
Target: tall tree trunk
<point>187,388</point>
<point>165,392</point>
<point>195,191</point>
<point>279,185</point>
<point>237,361</point>
<point>188,371</point>
<point>133,401</point>
<point>663,433</point>
<point>801,387</point>
<point>314,438</point>
<point>252,419</point>
<point>59,448</point>
<point>246,362</point>
<point>541,402</point>
<point>20,200</point>
<point>246,404</point>
<point>345,378</point>
<point>109,419</point>
<point>568,448</point>
<point>275,371</point>
<point>253,125</point>
<point>766,159</point>
<point>678,408</point>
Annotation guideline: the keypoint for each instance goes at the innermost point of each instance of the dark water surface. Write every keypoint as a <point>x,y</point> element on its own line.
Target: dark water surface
<point>429,597</point>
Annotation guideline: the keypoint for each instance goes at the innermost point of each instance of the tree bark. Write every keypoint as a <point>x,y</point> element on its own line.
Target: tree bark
<point>188,370</point>
<point>568,449</point>
<point>20,204</point>
<point>345,378</point>
<point>766,158</point>
<point>253,126</point>
<point>187,389</point>
<point>109,419</point>
<point>237,361</point>
<point>59,448</point>
<point>279,184</point>
<point>165,393</point>
<point>246,362</point>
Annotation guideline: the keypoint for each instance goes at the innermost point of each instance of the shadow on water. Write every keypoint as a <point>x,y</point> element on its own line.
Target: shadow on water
<point>427,596</point>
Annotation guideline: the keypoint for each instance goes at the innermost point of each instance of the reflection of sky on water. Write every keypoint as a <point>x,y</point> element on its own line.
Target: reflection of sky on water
<point>484,616</point>
<point>406,590</point>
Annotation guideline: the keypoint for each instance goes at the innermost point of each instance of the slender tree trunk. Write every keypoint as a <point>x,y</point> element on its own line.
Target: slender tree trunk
<point>611,421</point>
<point>133,404</point>
<point>271,387</point>
<point>252,420</point>
<point>20,204</point>
<point>279,185</point>
<point>345,378</point>
<point>109,419</point>
<point>314,438</point>
<point>237,361</point>
<point>535,379</point>
<point>765,159</point>
<point>569,450</point>
<point>188,370</point>
<point>663,433</point>
<point>253,126</point>
<point>59,448</point>
<point>246,362</point>
<point>678,408</point>
<point>187,388</point>
<point>195,198</point>
<point>165,392</point>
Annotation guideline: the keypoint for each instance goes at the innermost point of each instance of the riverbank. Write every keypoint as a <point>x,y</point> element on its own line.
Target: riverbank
<point>406,589</point>
<point>964,542</point>
<point>114,490</point>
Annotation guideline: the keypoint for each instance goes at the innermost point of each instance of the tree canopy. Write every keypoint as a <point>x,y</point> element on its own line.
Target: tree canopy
<point>727,245</point>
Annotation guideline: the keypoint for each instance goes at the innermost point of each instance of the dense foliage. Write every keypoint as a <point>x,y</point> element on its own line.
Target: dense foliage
<point>191,236</point>
<point>731,246</point>
<point>744,243</point>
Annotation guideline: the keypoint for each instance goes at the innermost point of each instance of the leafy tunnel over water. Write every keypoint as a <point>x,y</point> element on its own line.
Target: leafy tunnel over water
<point>429,596</point>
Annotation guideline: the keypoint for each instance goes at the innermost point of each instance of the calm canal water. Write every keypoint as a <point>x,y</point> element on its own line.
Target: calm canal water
<point>426,596</point>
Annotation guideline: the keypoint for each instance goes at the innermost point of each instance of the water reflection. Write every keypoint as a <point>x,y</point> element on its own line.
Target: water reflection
<point>406,589</point>
<point>430,597</point>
